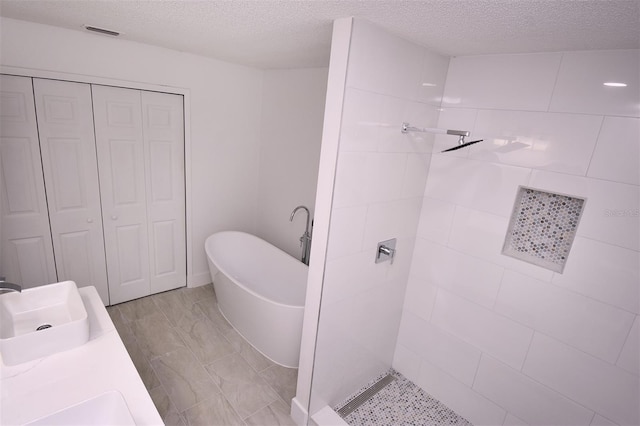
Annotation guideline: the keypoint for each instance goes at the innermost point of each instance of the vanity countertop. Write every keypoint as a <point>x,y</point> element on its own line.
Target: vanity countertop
<point>41,387</point>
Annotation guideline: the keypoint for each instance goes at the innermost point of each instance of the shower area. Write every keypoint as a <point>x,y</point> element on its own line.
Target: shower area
<point>468,322</point>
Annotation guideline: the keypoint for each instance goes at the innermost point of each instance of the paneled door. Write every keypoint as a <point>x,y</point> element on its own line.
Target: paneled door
<point>140,144</point>
<point>163,130</point>
<point>26,249</point>
<point>69,163</point>
<point>120,146</point>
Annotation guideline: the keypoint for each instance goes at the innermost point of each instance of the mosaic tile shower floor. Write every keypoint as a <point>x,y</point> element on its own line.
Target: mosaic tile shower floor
<point>401,402</point>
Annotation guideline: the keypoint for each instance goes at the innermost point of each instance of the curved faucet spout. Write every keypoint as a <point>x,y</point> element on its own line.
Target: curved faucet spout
<point>305,240</point>
<point>293,213</point>
<point>9,287</point>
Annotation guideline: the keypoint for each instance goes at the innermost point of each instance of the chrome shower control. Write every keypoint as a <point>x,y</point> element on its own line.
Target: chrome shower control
<point>386,251</point>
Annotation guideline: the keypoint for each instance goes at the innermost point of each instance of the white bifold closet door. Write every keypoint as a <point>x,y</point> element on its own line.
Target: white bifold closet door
<point>140,145</point>
<point>69,163</point>
<point>26,250</point>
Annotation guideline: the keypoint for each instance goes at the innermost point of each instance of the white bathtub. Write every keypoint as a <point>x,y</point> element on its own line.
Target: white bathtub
<point>261,292</point>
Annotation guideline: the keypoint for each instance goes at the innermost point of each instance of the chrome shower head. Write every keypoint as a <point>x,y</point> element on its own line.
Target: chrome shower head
<point>462,144</point>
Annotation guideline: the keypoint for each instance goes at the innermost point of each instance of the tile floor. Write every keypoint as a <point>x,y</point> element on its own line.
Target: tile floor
<point>196,367</point>
<point>401,402</point>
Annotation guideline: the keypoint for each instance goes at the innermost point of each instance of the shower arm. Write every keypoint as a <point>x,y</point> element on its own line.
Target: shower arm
<point>406,128</point>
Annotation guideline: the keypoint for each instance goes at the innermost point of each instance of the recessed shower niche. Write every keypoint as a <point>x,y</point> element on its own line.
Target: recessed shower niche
<point>542,228</point>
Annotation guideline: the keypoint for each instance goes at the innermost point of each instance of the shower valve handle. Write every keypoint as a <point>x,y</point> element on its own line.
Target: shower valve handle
<point>386,251</point>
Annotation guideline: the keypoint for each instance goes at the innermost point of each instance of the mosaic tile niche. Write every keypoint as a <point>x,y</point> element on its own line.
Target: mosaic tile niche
<point>542,228</point>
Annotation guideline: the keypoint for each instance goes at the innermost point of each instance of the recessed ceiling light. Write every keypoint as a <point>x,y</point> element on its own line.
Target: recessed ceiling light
<point>614,84</point>
<point>101,30</point>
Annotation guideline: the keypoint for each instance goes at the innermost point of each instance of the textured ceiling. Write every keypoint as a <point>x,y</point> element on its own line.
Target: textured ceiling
<point>292,34</point>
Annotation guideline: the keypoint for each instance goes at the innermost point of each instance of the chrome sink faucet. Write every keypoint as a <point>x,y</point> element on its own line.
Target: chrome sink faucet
<point>9,287</point>
<point>305,239</point>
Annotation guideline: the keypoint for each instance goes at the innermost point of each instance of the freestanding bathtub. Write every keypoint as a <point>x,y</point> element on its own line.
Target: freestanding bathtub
<point>261,292</point>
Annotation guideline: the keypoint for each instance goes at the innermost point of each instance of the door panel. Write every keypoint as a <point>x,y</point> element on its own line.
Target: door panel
<point>164,242</point>
<point>69,163</point>
<point>120,146</point>
<point>125,174</point>
<point>75,251</point>
<point>164,146</point>
<point>130,243</point>
<point>26,249</point>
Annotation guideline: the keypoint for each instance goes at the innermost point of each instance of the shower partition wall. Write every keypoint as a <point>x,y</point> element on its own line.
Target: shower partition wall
<point>374,194</point>
<point>484,333</point>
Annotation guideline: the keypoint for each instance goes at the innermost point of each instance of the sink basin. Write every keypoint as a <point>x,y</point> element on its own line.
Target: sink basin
<point>41,321</point>
<point>108,408</point>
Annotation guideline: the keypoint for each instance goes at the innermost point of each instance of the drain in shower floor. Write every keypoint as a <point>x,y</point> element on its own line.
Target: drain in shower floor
<point>392,399</point>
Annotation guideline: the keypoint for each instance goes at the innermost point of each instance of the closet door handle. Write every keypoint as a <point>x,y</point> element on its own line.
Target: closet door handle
<point>114,217</point>
<point>89,220</point>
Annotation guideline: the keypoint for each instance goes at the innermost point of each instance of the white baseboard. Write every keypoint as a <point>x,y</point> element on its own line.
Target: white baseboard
<point>327,417</point>
<point>200,279</point>
<point>299,413</point>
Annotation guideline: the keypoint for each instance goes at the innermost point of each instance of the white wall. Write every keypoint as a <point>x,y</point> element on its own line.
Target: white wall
<point>225,113</point>
<point>379,183</point>
<point>290,135</point>
<point>499,340</point>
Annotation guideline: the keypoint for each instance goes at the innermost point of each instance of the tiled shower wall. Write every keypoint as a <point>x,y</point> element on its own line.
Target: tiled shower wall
<point>379,186</point>
<point>498,340</point>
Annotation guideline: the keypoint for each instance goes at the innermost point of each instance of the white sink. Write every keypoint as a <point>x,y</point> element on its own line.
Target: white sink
<point>41,321</point>
<point>108,408</point>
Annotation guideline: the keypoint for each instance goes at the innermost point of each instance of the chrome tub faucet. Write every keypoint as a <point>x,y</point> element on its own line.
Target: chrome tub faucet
<point>305,239</point>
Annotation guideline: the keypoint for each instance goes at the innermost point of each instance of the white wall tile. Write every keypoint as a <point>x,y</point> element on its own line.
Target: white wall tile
<point>394,219</point>
<point>605,272</point>
<point>594,327</point>
<point>383,63</point>
<point>579,87</point>
<point>464,275</point>
<point>347,231</point>
<point>370,177</point>
<point>433,75</point>
<point>630,355</point>
<point>611,211</point>
<point>384,176</point>
<point>415,176</point>
<point>366,68</point>
<point>617,153</point>
<point>598,420</point>
<point>351,275</point>
<point>378,333</point>
<point>525,398</point>
<point>541,140</point>
<point>522,82</point>
<point>420,297</point>
<point>351,179</point>
<point>389,129</point>
<point>406,362</point>
<point>482,235</point>
<point>476,184</point>
<point>399,270</point>
<point>511,420</point>
<point>436,217</point>
<point>494,334</point>
<point>404,65</point>
<point>607,389</point>
<point>361,115</point>
<point>443,350</point>
<point>459,397</point>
